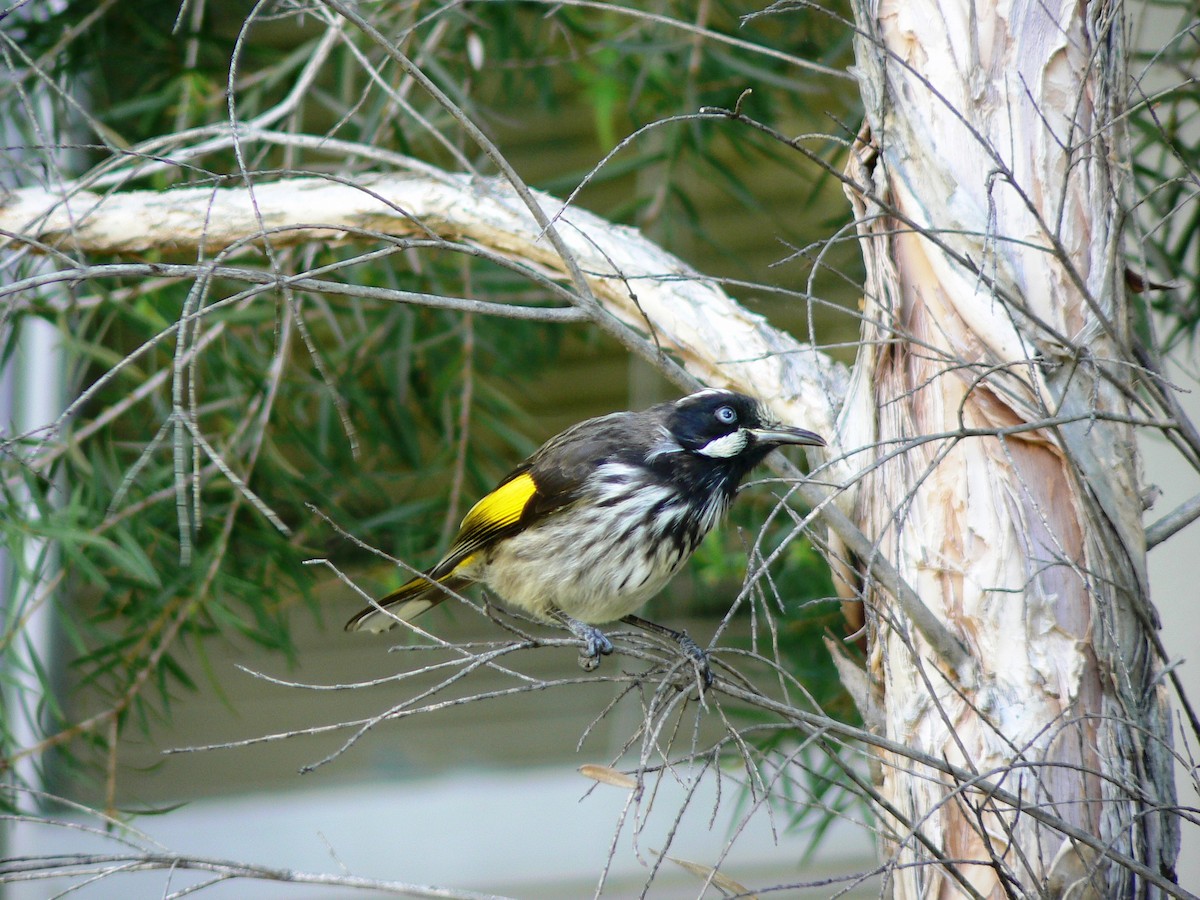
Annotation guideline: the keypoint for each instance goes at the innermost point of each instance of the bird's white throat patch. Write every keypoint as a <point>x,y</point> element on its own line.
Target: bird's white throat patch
<point>727,445</point>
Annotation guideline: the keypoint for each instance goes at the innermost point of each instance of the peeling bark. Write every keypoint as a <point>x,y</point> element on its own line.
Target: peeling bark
<point>985,132</point>
<point>989,223</point>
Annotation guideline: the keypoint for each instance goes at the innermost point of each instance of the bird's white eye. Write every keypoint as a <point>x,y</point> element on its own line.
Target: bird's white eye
<point>726,415</point>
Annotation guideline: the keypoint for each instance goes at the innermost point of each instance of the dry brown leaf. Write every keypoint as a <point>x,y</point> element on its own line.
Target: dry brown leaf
<point>608,775</point>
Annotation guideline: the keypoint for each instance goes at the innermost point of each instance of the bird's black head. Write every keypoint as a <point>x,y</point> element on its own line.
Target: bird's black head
<point>729,428</point>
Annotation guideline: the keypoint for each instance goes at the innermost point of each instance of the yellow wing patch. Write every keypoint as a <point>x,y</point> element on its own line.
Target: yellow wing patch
<point>497,514</point>
<point>501,508</point>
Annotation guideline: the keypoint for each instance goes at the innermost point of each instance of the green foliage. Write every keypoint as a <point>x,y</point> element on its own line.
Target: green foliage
<point>215,425</point>
<point>1165,130</point>
<point>798,591</point>
<point>222,435</point>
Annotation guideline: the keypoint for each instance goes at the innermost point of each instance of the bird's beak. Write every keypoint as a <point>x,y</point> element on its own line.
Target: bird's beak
<point>785,434</point>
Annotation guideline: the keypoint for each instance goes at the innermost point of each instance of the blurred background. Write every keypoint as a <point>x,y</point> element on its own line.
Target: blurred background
<point>365,425</point>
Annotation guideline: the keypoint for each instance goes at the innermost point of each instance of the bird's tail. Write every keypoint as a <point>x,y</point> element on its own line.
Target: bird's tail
<point>408,601</point>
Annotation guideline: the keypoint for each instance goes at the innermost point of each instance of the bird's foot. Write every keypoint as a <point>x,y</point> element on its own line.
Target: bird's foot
<point>595,643</point>
<point>690,648</point>
<point>698,656</point>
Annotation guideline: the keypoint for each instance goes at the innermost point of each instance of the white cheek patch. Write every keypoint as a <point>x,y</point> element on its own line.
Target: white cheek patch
<point>726,446</point>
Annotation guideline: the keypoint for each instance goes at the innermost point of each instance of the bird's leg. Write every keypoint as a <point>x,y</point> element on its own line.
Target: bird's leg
<point>595,644</point>
<point>686,644</point>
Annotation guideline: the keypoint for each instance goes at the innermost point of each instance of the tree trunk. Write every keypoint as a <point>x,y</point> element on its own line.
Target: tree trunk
<point>993,391</point>
<point>997,354</point>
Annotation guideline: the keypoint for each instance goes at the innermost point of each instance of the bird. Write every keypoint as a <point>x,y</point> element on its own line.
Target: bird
<point>601,517</point>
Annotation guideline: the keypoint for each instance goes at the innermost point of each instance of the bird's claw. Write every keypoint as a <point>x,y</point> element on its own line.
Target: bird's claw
<point>697,655</point>
<point>595,643</point>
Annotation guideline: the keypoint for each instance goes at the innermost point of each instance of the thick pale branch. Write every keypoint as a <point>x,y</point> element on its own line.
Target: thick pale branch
<point>717,340</point>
